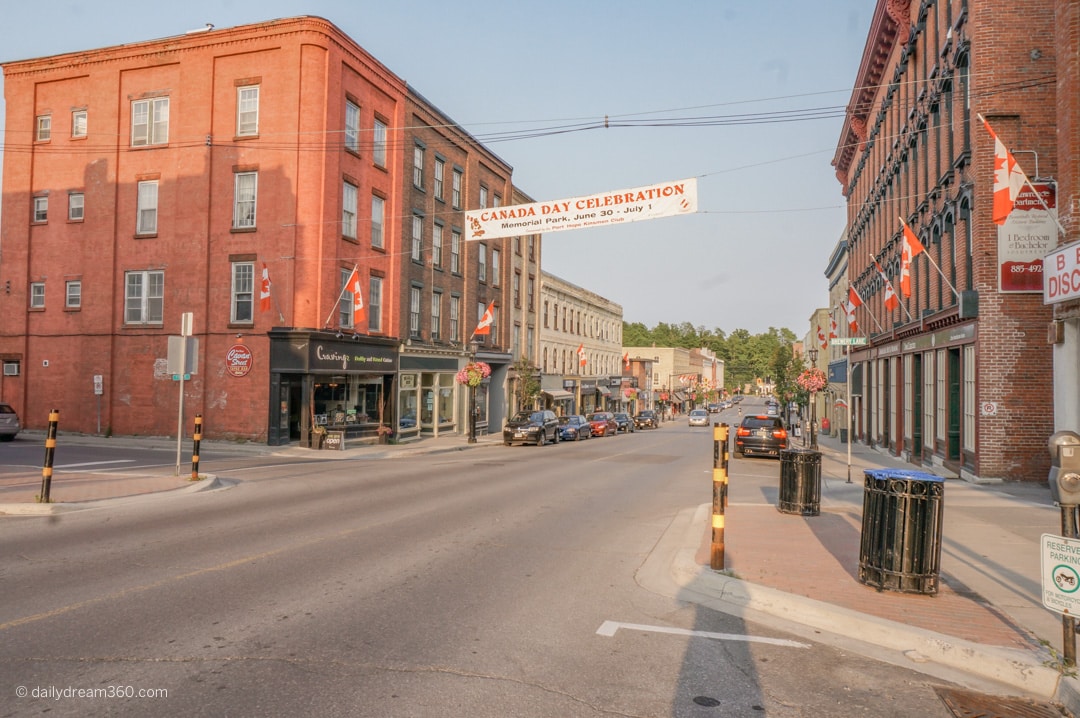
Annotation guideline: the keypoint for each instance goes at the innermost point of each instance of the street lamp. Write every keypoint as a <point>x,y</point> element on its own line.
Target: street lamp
<point>473,348</point>
<point>812,354</point>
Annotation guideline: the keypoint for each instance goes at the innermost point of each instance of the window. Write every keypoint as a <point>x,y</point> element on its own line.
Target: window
<point>73,294</point>
<point>414,312</point>
<point>41,209</point>
<point>417,238</point>
<point>495,267</point>
<point>75,206</point>
<point>150,122</point>
<point>78,123</point>
<point>480,309</point>
<point>144,297</point>
<point>436,314</point>
<point>436,245</point>
<point>418,167</point>
<point>378,140</point>
<point>37,295</point>
<point>44,128</point>
<point>440,172</point>
<point>243,293</point>
<point>483,197</point>
<point>546,324</point>
<point>374,308</point>
<point>11,368</point>
<point>247,110</point>
<point>244,204</point>
<point>532,294</point>
<point>377,205</point>
<point>146,212</point>
<point>530,338</point>
<point>517,288</point>
<point>352,126</point>
<point>497,201</point>
<point>455,251</point>
<point>348,210</point>
<point>532,247</point>
<point>455,189</point>
<point>345,305</point>
<point>455,317</point>
<point>515,341</point>
<point>481,272</point>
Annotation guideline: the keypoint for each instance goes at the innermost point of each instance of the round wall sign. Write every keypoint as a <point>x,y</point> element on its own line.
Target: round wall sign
<point>238,360</point>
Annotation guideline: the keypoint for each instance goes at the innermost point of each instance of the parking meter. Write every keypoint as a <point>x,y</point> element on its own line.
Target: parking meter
<point>1064,476</point>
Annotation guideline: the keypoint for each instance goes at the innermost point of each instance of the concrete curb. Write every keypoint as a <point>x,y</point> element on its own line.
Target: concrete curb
<point>210,483</point>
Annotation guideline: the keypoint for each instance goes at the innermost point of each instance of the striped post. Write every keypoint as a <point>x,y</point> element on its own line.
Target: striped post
<point>195,449</point>
<point>50,448</point>
<point>720,464</point>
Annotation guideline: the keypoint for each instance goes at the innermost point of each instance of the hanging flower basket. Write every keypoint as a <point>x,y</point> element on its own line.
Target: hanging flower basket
<point>474,373</point>
<point>812,380</point>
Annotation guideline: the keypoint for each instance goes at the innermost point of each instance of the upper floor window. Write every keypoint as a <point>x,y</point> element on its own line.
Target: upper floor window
<point>352,126</point>
<point>374,307</point>
<point>43,133</point>
<point>78,123</point>
<point>150,122</point>
<point>146,211</point>
<point>73,294</point>
<point>436,245</point>
<point>436,314</point>
<point>377,205</point>
<point>378,141</point>
<point>243,293</point>
<point>244,203</point>
<point>417,238</point>
<point>418,167</point>
<point>37,295</point>
<point>76,202</point>
<point>348,210</point>
<point>481,274</point>
<point>483,197</point>
<point>41,209</point>
<point>440,173</point>
<point>517,288</point>
<point>495,267</point>
<point>247,110</point>
<point>414,312</point>
<point>455,251</point>
<point>532,295</point>
<point>455,317</point>
<point>455,188</point>
<point>144,297</point>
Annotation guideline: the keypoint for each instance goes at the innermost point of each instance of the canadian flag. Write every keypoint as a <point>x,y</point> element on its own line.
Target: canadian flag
<point>1008,178</point>
<point>353,287</point>
<point>853,302</point>
<point>264,290</point>
<point>912,248</point>
<point>832,327</point>
<point>626,360</point>
<point>581,354</point>
<point>821,337</point>
<point>484,325</point>
<point>891,300</point>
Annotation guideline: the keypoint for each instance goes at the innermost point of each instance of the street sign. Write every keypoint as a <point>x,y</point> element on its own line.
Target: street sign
<point>848,341</point>
<point>1061,574</point>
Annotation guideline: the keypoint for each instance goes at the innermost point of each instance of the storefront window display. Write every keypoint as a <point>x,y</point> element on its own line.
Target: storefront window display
<point>343,401</point>
<point>429,396</point>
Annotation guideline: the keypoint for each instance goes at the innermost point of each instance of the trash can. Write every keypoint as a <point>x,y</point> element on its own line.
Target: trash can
<point>900,547</point>
<point>843,436</point>
<point>800,482</point>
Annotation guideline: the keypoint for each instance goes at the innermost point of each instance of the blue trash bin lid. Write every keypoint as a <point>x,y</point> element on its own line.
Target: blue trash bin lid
<point>905,474</point>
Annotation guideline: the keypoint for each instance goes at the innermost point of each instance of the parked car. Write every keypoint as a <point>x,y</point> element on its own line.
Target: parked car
<point>624,424</point>
<point>9,423</point>
<point>761,434</point>
<point>713,408</point>
<point>603,423</point>
<point>532,427</point>
<point>647,419</point>
<point>574,427</point>
<point>698,417</point>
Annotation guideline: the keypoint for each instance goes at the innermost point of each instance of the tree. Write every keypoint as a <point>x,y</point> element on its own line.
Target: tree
<point>527,386</point>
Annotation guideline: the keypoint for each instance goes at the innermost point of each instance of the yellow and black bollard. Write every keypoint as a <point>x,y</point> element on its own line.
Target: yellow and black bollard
<point>195,449</point>
<point>720,481</point>
<point>50,448</point>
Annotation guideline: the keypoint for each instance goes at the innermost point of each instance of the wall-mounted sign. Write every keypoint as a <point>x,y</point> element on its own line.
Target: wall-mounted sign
<point>238,360</point>
<point>1027,236</point>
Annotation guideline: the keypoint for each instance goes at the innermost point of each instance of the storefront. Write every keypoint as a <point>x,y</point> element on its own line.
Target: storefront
<point>554,396</point>
<point>427,399</point>
<point>323,382</point>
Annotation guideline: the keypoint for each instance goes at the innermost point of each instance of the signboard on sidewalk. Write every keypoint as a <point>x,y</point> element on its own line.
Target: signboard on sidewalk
<point>1061,574</point>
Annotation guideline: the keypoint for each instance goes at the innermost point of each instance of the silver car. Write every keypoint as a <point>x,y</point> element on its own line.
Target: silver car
<point>9,423</point>
<point>698,417</point>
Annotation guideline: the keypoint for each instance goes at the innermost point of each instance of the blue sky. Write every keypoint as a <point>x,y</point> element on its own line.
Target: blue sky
<point>770,207</point>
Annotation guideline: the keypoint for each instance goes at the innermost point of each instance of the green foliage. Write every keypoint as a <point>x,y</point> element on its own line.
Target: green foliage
<point>528,383</point>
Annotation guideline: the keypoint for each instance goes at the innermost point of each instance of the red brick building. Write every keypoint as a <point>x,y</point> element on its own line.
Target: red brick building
<point>960,375</point>
<point>150,180</point>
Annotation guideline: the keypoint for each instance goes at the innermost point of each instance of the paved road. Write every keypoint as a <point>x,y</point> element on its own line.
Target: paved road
<point>497,582</point>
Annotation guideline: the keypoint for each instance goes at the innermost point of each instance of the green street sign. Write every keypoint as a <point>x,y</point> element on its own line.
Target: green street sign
<point>849,341</point>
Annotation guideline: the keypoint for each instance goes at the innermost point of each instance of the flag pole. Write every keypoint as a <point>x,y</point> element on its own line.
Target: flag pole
<point>355,269</point>
<point>927,253</point>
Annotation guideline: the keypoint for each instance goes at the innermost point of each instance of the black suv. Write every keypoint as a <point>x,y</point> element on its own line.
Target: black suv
<point>624,424</point>
<point>760,434</point>
<point>532,427</point>
<point>647,420</point>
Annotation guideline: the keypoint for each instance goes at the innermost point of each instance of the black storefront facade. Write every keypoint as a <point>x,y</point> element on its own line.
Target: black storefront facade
<point>325,383</point>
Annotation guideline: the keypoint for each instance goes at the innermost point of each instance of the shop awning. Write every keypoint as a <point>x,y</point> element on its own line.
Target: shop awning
<point>604,390</point>
<point>559,395</point>
<point>840,402</point>
<point>679,396</point>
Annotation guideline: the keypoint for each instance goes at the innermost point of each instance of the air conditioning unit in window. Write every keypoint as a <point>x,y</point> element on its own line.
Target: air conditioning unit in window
<point>11,368</point>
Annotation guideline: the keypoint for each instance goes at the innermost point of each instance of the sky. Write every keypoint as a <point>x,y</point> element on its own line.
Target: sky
<point>747,97</point>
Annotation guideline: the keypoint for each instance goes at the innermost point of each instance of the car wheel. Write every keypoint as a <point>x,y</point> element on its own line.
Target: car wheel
<point>556,438</point>
<point>508,443</point>
<point>541,439</point>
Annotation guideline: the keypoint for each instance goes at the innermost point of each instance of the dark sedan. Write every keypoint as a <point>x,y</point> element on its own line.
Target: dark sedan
<point>574,427</point>
<point>761,435</point>
<point>532,427</point>
<point>623,424</point>
<point>603,423</point>
<point>647,420</point>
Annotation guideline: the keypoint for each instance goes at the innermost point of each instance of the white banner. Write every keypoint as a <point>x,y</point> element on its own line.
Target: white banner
<point>1025,238</point>
<point>628,205</point>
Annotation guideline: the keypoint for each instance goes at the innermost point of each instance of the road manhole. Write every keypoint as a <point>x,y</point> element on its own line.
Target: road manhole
<point>969,704</point>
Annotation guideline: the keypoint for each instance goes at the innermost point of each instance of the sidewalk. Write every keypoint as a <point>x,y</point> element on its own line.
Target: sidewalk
<point>986,625</point>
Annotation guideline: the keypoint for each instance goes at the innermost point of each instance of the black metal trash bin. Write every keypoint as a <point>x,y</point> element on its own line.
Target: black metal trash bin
<point>843,436</point>
<point>900,548</point>
<point>800,482</point>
